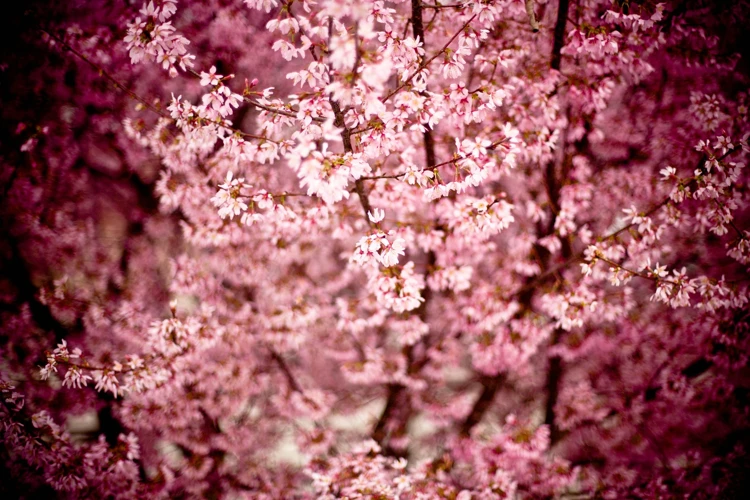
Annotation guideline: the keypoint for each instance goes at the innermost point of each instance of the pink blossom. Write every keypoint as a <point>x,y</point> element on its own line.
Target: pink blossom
<point>554,306</point>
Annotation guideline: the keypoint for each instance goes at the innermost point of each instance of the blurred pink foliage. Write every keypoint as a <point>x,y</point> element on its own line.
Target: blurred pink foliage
<point>375,249</point>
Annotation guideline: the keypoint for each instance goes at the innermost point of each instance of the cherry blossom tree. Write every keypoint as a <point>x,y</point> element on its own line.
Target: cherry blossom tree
<point>376,249</point>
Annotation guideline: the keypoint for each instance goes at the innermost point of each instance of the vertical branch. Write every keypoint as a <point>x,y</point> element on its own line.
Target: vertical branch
<point>346,139</point>
<point>346,133</point>
<point>395,399</point>
<point>481,405</point>
<point>552,384</point>
<point>416,19</point>
<point>559,40</point>
<point>418,30</point>
<point>380,432</point>
<point>555,367</point>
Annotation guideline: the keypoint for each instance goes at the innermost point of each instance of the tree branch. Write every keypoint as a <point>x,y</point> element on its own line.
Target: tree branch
<point>559,40</point>
<point>346,138</point>
<point>428,61</point>
<point>532,17</point>
<point>481,405</point>
<point>395,391</point>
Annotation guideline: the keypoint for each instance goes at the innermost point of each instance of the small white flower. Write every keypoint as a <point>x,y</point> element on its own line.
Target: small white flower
<point>390,255</point>
<point>377,215</point>
<point>659,271</point>
<point>667,172</point>
<point>402,483</point>
<point>586,269</point>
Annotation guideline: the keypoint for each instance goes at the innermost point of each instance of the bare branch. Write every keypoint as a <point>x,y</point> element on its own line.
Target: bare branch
<point>532,17</point>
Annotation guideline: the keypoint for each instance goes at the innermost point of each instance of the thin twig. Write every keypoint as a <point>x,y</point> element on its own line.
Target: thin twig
<point>428,61</point>
<point>106,75</point>
<point>532,17</point>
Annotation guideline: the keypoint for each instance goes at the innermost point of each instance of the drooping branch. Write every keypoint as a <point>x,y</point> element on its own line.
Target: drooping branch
<point>542,277</point>
<point>106,75</point>
<point>120,86</point>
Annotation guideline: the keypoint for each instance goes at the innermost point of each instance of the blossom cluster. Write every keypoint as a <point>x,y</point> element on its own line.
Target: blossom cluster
<point>156,39</point>
<point>491,249</point>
